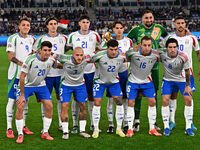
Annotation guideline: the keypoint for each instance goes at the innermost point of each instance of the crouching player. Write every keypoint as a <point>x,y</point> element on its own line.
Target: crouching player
<point>174,64</point>
<point>139,80</point>
<point>106,76</point>
<point>73,82</point>
<point>34,69</point>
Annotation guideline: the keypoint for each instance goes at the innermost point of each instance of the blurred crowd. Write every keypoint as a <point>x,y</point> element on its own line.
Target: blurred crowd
<point>102,22</point>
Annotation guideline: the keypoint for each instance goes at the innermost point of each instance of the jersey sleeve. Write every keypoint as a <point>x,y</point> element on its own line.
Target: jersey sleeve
<point>132,33</point>
<point>98,38</point>
<point>129,55</point>
<point>164,32</point>
<point>11,44</point>
<point>195,43</point>
<point>98,56</point>
<point>184,59</point>
<point>37,43</point>
<point>70,40</point>
<point>27,64</point>
<point>62,58</point>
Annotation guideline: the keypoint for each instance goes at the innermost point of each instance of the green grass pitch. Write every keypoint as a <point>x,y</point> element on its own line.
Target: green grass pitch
<point>140,140</point>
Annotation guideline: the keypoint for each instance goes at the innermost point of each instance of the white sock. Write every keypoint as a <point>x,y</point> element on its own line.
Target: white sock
<point>25,113</point>
<point>65,126</point>
<point>75,112</point>
<point>119,114</point>
<point>192,109</point>
<point>188,116</point>
<point>165,116</point>
<point>43,110</point>
<point>110,111</point>
<point>46,124</point>
<point>152,117</point>
<point>82,124</point>
<point>90,109</point>
<point>125,104</point>
<point>172,108</point>
<point>59,111</point>
<point>137,120</point>
<point>130,117</point>
<point>96,116</point>
<point>9,112</point>
<point>19,126</point>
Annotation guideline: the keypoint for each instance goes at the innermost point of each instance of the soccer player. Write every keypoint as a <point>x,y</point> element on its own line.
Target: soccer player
<point>73,82</point>
<point>59,42</point>
<point>88,40</point>
<point>19,46</point>
<point>106,76</point>
<point>186,43</point>
<point>155,31</point>
<point>34,70</point>
<point>174,62</point>
<point>124,45</point>
<point>140,80</point>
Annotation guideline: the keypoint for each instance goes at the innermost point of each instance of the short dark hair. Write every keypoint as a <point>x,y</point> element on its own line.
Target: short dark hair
<point>179,17</point>
<point>84,17</point>
<point>118,22</point>
<point>112,43</point>
<point>24,19</point>
<point>171,40</point>
<point>51,18</point>
<point>146,11</point>
<point>146,38</point>
<point>46,43</point>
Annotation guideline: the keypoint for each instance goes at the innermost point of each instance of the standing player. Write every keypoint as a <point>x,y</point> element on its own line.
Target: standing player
<point>124,45</point>
<point>73,82</point>
<point>106,76</point>
<point>155,31</point>
<point>186,45</point>
<point>88,40</point>
<point>19,45</point>
<point>34,70</point>
<point>139,80</point>
<point>59,42</point>
<point>174,62</point>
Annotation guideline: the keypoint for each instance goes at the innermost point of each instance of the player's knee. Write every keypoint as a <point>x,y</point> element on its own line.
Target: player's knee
<point>188,101</point>
<point>131,103</point>
<point>90,97</point>
<point>174,96</point>
<point>118,100</point>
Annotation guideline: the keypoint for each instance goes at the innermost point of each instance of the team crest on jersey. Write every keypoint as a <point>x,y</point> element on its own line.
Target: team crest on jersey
<point>125,43</point>
<point>60,40</point>
<point>90,39</point>
<point>187,41</point>
<point>155,33</point>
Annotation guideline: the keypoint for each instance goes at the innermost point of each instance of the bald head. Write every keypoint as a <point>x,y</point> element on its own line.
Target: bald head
<point>77,54</point>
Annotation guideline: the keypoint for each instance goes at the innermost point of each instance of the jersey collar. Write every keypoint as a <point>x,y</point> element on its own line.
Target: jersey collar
<point>51,36</point>
<point>82,34</point>
<point>178,35</point>
<point>114,57</point>
<point>141,52</point>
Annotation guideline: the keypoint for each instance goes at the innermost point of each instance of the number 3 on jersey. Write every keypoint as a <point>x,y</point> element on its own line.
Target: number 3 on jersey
<point>84,44</point>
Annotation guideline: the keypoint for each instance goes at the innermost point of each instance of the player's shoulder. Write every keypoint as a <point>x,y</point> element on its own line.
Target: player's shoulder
<point>101,53</point>
<point>183,56</point>
<point>155,52</point>
<point>31,58</point>
<point>127,38</point>
<point>158,25</point>
<point>74,33</point>
<point>12,37</point>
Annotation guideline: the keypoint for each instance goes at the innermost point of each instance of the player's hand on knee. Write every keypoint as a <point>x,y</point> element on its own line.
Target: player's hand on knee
<point>21,100</point>
<point>188,90</point>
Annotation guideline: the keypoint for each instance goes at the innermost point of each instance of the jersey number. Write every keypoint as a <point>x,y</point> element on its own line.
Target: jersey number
<point>41,72</point>
<point>96,87</point>
<point>181,47</point>
<point>84,44</point>
<point>55,47</point>
<point>143,65</point>
<point>111,68</point>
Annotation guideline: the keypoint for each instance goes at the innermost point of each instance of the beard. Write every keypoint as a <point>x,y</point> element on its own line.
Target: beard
<point>149,25</point>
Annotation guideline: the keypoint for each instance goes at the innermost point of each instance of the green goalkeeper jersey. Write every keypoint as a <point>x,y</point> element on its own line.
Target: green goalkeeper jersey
<point>156,32</point>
